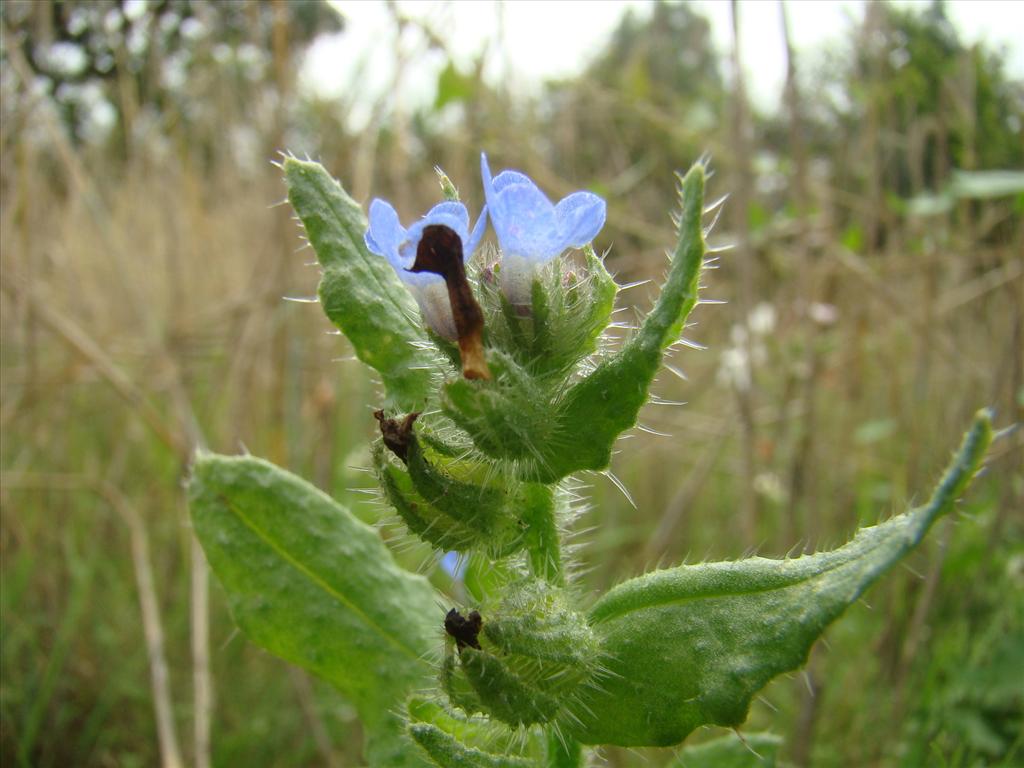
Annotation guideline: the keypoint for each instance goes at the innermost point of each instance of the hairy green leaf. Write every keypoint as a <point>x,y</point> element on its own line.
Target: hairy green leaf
<point>595,411</point>
<point>314,585</point>
<point>359,291</point>
<point>446,751</point>
<point>751,750</point>
<point>691,645</point>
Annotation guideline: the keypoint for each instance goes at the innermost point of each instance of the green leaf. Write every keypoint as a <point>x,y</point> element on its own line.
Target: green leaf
<point>751,750</point>
<point>691,645</point>
<point>359,291</point>
<point>447,752</point>
<point>314,585</point>
<point>453,86</point>
<point>595,411</point>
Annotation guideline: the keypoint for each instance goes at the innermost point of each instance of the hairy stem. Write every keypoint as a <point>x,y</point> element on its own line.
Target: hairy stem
<point>545,552</point>
<point>563,751</point>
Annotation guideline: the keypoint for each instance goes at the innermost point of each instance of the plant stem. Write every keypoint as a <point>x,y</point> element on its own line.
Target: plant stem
<point>563,751</point>
<point>542,544</point>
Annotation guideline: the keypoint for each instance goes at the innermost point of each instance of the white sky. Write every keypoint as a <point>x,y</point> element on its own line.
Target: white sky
<point>546,39</point>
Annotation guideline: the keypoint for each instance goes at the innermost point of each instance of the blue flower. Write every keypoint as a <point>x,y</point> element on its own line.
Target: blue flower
<point>388,238</point>
<point>453,565</point>
<point>531,230</point>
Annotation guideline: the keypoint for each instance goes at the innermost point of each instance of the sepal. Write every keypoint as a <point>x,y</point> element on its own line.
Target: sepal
<point>448,513</point>
<point>536,658</point>
<point>567,312</point>
<point>508,417</point>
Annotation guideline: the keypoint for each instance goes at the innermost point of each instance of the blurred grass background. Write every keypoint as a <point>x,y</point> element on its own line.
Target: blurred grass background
<point>875,301</point>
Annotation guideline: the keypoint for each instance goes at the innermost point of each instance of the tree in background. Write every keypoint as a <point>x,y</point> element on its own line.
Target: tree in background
<point>133,70</point>
<point>910,104</point>
<point>649,102</point>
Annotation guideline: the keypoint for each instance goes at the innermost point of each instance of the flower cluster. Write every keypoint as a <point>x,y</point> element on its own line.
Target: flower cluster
<point>531,231</point>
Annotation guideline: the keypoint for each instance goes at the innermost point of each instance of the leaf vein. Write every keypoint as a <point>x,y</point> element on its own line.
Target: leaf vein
<point>320,582</point>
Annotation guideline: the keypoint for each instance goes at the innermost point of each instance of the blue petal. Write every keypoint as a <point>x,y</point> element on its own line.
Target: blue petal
<point>508,178</point>
<point>451,208</point>
<point>412,237</point>
<point>489,191</point>
<point>469,246</point>
<point>494,206</point>
<point>453,564</point>
<point>385,237</point>
<point>526,223</point>
<point>580,217</point>
<point>385,234</point>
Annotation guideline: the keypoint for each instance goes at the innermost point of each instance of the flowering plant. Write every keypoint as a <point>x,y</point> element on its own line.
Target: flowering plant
<point>496,391</point>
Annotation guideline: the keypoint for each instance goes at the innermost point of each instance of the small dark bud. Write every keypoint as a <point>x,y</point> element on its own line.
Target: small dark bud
<point>397,434</point>
<point>465,630</point>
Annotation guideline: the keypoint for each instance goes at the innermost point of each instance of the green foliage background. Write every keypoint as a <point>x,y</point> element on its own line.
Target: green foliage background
<point>141,314</point>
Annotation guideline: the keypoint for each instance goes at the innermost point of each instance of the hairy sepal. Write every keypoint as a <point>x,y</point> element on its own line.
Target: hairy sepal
<point>537,655</point>
<point>464,735</point>
<point>452,514</point>
<point>691,645</point>
<point>568,311</point>
<point>446,751</point>
<point>508,417</point>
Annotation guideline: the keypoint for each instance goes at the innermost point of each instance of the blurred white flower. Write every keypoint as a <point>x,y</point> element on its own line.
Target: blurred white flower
<point>734,368</point>
<point>738,335</point>
<point>761,319</point>
<point>769,485</point>
<point>823,314</point>
<point>737,361</point>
